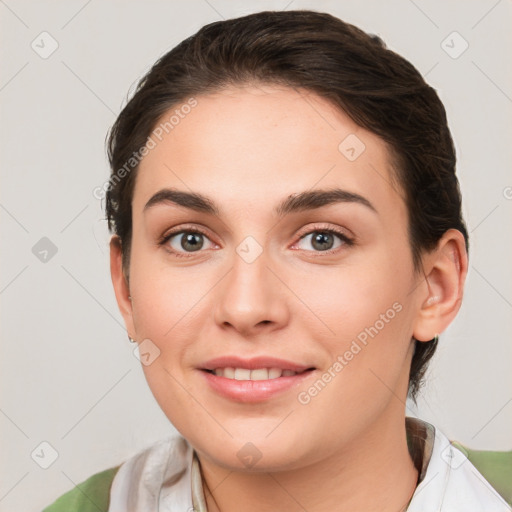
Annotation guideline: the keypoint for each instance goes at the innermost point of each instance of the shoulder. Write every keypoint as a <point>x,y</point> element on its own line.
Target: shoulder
<point>92,495</point>
<point>494,466</point>
<point>118,487</point>
<point>458,478</point>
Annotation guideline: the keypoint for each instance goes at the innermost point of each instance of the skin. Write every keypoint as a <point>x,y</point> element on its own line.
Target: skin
<point>248,148</point>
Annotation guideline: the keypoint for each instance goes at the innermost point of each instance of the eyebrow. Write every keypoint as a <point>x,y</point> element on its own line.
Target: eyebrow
<point>307,200</point>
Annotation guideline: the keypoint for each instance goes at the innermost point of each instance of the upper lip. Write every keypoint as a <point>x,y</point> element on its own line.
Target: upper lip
<point>253,363</point>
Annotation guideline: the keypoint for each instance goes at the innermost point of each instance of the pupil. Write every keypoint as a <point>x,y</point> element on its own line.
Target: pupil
<point>322,239</point>
<point>191,241</point>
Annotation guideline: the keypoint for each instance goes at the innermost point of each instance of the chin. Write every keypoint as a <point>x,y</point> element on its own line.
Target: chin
<point>256,454</point>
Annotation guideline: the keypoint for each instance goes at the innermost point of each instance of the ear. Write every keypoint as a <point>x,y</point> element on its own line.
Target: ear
<point>445,273</point>
<point>120,282</point>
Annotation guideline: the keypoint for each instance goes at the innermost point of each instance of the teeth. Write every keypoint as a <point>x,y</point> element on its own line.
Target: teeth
<point>256,374</point>
<point>242,374</point>
<point>228,372</point>
<point>260,374</point>
<point>274,373</point>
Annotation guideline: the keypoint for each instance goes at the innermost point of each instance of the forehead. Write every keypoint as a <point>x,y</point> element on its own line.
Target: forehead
<point>250,146</point>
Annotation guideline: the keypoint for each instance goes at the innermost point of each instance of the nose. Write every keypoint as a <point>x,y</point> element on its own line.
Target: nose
<point>252,297</point>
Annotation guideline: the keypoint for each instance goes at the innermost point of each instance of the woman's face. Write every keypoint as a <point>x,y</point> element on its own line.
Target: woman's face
<point>267,277</point>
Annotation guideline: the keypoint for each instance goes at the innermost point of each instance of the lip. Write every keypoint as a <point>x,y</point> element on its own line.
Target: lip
<point>250,391</point>
<point>253,363</point>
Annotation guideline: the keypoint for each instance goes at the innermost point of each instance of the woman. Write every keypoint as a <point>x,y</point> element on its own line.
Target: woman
<point>288,245</point>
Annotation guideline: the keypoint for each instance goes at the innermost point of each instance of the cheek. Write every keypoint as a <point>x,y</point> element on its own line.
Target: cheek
<point>165,297</point>
<point>169,309</point>
<point>367,359</point>
<point>356,297</point>
<point>367,310</point>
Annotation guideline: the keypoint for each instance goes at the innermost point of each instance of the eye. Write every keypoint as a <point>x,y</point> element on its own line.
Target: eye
<point>324,240</point>
<point>185,241</point>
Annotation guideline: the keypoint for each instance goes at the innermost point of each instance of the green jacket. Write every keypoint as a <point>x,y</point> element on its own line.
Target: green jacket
<point>93,494</point>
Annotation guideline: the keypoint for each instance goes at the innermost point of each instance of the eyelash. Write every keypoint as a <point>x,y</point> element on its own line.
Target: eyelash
<point>196,230</point>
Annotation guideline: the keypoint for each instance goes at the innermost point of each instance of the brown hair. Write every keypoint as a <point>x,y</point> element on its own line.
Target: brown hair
<point>377,88</point>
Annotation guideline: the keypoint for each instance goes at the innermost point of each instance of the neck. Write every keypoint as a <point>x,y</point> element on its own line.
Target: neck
<point>375,473</point>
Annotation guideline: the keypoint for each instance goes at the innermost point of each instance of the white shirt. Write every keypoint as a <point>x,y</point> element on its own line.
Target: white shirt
<point>166,477</point>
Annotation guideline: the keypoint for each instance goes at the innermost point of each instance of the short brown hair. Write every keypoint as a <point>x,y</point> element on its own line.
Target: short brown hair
<point>378,89</point>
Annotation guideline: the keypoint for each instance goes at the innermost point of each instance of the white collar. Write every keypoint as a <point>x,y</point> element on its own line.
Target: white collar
<point>159,478</point>
<point>166,477</point>
<point>453,484</point>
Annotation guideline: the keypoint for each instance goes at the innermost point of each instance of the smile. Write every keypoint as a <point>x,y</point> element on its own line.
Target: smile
<point>254,374</point>
<point>254,385</point>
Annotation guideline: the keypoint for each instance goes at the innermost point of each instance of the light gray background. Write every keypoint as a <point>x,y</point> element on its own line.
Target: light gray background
<point>68,373</point>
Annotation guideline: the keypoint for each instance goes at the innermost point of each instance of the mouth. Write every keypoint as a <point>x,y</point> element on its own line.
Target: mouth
<point>256,380</point>
<point>255,374</point>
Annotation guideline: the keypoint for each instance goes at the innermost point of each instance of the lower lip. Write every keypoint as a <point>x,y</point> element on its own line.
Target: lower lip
<point>253,390</point>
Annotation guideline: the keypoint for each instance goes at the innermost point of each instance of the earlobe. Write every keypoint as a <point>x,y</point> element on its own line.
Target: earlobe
<point>120,283</point>
<point>445,274</point>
